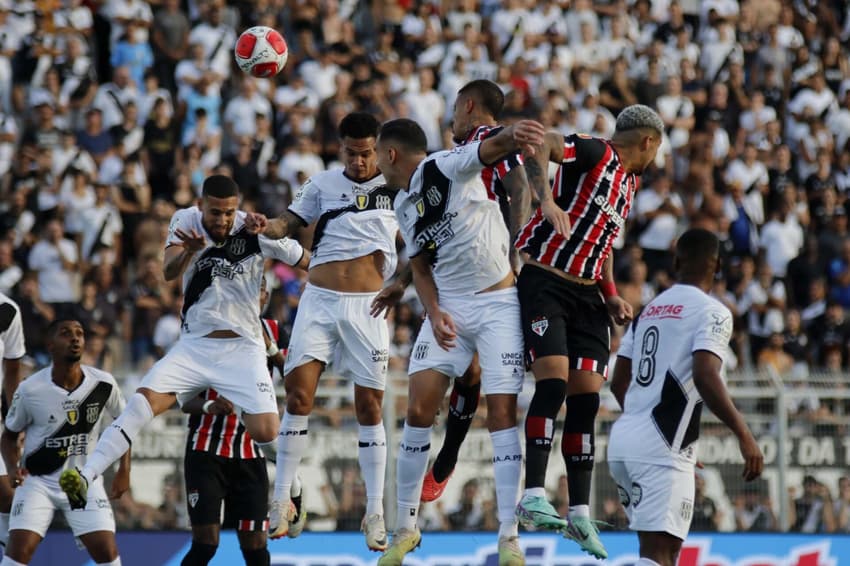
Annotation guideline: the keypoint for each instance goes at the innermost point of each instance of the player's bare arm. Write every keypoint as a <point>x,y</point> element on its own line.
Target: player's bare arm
<point>713,392</point>
<point>178,256</point>
<point>121,481</point>
<point>524,135</point>
<point>282,226</point>
<point>621,379</point>
<point>389,296</point>
<point>11,380</point>
<point>11,452</point>
<point>537,173</point>
<point>441,322</point>
<point>620,310</point>
<point>516,184</point>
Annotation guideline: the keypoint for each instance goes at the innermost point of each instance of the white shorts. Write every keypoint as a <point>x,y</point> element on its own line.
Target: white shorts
<point>337,329</point>
<point>656,498</point>
<point>235,367</point>
<point>487,323</point>
<point>36,500</point>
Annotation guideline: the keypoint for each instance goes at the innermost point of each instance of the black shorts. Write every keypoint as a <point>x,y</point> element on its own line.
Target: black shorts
<point>242,485</point>
<point>562,318</point>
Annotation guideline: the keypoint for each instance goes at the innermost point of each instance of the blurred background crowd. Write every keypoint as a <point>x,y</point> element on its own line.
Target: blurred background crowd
<point>112,112</point>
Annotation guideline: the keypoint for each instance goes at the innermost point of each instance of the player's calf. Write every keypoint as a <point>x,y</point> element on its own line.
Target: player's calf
<point>199,554</point>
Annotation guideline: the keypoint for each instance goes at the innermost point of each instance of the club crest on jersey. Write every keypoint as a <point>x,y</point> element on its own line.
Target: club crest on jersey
<point>92,413</point>
<point>72,414</point>
<point>540,325</point>
<point>434,196</point>
<point>420,207</point>
<point>193,498</point>
<point>237,246</point>
<point>361,202</point>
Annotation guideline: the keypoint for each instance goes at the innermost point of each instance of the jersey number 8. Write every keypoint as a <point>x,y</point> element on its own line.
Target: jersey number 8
<point>646,367</point>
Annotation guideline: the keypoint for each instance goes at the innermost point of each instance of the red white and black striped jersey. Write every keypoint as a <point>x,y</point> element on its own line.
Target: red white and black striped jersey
<point>492,176</point>
<point>595,189</point>
<point>225,435</point>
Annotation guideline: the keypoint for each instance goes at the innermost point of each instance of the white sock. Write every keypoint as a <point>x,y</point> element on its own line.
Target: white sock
<point>580,511</point>
<point>646,562</point>
<point>372,453</point>
<point>295,489</point>
<point>291,444</point>
<point>507,467</point>
<point>410,473</point>
<point>116,562</point>
<point>9,562</point>
<point>535,492</point>
<point>117,438</point>
<point>4,529</point>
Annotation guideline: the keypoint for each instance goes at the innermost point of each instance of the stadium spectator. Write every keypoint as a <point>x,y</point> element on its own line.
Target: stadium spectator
<point>813,511</point>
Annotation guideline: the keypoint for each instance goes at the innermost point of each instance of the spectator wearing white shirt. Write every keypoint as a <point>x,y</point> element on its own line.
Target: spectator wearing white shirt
<point>300,160</point>
<point>10,272</point>
<point>217,37</point>
<point>111,97</point>
<point>191,70</point>
<point>100,241</point>
<point>781,240</point>
<point>240,111</point>
<point>747,172</point>
<point>763,300</point>
<point>677,111</point>
<point>55,259</point>
<point>10,40</point>
<point>754,121</point>
<point>120,12</point>
<point>658,212</point>
<point>75,199</point>
<point>8,136</point>
<point>320,74</point>
<point>296,98</point>
<point>427,108</point>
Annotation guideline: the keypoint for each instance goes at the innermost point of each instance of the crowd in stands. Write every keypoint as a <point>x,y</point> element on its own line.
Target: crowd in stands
<point>112,112</point>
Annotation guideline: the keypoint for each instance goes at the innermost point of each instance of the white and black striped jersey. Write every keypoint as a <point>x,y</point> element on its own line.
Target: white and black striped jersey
<point>61,426</point>
<point>660,420</point>
<point>493,176</point>
<point>353,218</point>
<point>447,213</point>
<point>596,190</point>
<point>12,345</point>
<point>221,286</point>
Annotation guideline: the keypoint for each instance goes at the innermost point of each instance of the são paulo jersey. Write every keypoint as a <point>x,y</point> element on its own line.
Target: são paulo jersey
<point>660,421</point>
<point>61,426</point>
<point>221,286</point>
<point>447,213</point>
<point>353,218</point>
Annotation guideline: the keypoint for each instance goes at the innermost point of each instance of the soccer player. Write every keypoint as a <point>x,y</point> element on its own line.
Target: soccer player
<point>12,349</point>
<point>224,465</point>
<point>221,344</point>
<point>458,244</point>
<point>565,319</point>
<point>354,252</point>
<point>60,408</point>
<point>652,448</point>
<point>476,110</point>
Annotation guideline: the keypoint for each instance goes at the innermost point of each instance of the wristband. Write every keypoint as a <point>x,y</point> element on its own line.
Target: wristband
<point>609,289</point>
<point>207,404</point>
<point>272,350</point>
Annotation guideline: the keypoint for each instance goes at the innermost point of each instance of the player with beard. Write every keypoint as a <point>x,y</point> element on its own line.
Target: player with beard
<point>60,408</point>
<point>221,344</point>
<point>568,297</point>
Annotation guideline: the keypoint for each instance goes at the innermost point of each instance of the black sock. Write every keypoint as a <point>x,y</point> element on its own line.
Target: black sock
<point>577,445</point>
<point>256,556</point>
<point>199,554</point>
<point>539,428</point>
<point>462,407</point>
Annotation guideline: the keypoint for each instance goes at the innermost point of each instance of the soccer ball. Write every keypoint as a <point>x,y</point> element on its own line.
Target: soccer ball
<point>261,51</point>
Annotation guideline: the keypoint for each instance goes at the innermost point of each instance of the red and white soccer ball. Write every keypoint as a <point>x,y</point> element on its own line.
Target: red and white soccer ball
<point>261,51</point>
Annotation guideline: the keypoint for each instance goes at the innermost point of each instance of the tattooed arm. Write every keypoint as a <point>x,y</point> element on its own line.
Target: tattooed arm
<point>537,171</point>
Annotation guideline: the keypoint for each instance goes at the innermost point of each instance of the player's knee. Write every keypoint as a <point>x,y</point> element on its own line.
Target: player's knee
<point>205,534</point>
<point>419,415</point>
<point>256,556</point>
<point>472,376</point>
<point>500,416</point>
<point>104,552</point>
<point>199,554</point>
<point>299,401</point>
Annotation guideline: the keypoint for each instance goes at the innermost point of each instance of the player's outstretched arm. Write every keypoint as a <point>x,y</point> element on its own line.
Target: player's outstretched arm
<point>551,148</point>
<point>516,185</point>
<point>524,135</point>
<point>282,226</point>
<point>178,256</point>
<point>620,310</point>
<point>713,392</point>
<point>389,296</point>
